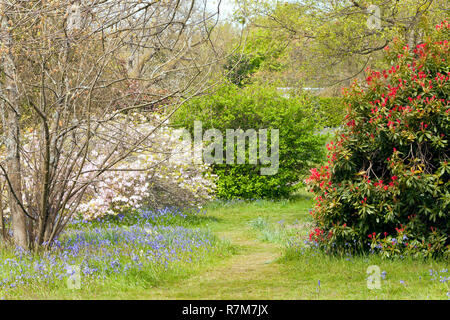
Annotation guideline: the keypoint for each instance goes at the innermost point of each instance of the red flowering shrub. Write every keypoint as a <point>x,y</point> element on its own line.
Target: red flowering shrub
<point>386,186</point>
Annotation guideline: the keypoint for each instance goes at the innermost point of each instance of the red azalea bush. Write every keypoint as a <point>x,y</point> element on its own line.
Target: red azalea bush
<point>386,185</point>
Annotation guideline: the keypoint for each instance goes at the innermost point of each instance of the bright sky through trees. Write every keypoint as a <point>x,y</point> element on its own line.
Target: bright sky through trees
<point>226,7</point>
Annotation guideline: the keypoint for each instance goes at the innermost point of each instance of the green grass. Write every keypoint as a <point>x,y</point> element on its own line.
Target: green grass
<point>267,267</point>
<point>260,259</point>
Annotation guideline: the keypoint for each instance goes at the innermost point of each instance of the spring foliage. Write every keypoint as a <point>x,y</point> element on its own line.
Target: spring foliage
<point>260,107</point>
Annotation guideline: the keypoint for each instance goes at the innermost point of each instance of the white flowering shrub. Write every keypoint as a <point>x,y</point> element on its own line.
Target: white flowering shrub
<point>159,173</point>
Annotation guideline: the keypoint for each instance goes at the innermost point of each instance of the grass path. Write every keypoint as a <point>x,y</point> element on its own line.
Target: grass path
<point>252,273</point>
<point>239,277</point>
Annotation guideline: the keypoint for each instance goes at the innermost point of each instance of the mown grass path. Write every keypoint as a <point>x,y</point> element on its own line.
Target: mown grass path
<point>240,277</point>
<point>252,273</point>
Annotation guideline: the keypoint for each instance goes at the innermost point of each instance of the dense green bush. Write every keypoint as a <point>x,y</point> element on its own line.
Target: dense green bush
<point>259,107</point>
<point>386,185</point>
<point>240,68</point>
<point>330,110</point>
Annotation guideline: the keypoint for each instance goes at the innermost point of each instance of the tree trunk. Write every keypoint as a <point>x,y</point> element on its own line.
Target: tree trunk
<point>14,174</point>
<point>2,218</point>
<point>11,127</point>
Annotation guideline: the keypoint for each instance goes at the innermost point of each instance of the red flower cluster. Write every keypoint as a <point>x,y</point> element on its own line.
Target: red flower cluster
<point>315,234</point>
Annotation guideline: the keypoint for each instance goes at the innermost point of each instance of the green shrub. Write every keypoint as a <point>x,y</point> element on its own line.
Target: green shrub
<point>331,110</point>
<point>386,185</point>
<point>258,107</point>
<point>240,68</point>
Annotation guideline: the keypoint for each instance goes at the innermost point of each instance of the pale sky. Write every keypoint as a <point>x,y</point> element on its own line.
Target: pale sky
<point>226,7</point>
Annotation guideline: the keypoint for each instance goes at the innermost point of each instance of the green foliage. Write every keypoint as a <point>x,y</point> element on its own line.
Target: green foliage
<point>330,110</point>
<point>269,50</point>
<point>326,42</point>
<point>386,186</point>
<point>240,68</point>
<point>259,107</point>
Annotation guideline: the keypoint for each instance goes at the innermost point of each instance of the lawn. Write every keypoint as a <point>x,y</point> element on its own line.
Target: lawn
<point>231,250</point>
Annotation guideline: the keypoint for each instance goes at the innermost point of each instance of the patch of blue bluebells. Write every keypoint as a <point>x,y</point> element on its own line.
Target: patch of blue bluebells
<point>117,245</point>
